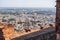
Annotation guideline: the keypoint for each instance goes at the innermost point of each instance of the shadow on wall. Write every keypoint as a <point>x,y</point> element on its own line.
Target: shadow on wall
<point>1,35</point>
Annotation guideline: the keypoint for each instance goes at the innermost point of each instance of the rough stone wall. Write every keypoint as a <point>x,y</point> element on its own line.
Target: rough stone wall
<point>58,19</point>
<point>1,35</point>
<point>45,34</point>
<point>58,16</point>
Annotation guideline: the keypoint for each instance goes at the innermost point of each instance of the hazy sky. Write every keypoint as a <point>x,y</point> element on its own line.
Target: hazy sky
<point>27,3</point>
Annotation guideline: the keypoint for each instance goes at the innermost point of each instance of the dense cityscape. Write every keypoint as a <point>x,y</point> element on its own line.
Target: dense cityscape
<point>27,18</point>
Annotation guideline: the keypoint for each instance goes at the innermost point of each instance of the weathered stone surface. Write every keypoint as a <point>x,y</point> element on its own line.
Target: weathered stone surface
<point>58,16</point>
<point>39,35</point>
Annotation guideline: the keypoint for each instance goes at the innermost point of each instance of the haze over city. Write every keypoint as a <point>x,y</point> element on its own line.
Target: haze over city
<point>28,3</point>
<point>27,19</point>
